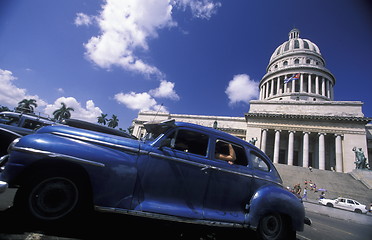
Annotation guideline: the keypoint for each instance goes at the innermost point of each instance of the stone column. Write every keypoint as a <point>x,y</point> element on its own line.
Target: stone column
<point>285,84</point>
<point>317,85</point>
<point>267,89</point>
<point>309,83</point>
<point>301,82</point>
<point>328,88</point>
<point>278,86</point>
<point>323,87</point>
<point>305,151</point>
<point>263,140</point>
<point>290,147</point>
<point>321,151</point>
<point>272,87</point>
<point>293,88</point>
<point>338,146</point>
<point>276,146</point>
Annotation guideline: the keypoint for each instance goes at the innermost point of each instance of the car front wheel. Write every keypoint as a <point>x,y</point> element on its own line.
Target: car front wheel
<point>329,205</point>
<point>52,198</point>
<point>275,227</point>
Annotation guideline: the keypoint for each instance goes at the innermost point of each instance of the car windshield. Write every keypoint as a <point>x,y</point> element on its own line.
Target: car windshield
<point>155,128</point>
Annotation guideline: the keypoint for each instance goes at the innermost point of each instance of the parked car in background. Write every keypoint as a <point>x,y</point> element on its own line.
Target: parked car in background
<point>16,124</point>
<point>344,203</point>
<point>180,172</point>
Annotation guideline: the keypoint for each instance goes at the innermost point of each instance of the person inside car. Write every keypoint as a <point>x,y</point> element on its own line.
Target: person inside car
<point>221,152</point>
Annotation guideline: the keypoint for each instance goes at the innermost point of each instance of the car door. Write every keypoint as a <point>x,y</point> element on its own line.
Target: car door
<point>171,178</point>
<point>229,188</point>
<point>350,205</point>
<point>341,203</point>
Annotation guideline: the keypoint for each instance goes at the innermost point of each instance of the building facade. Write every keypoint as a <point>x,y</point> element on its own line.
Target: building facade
<point>295,121</point>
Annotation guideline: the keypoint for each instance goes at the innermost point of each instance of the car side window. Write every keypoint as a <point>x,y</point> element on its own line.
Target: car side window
<point>222,147</point>
<point>259,163</point>
<point>350,201</point>
<point>31,124</point>
<point>342,200</point>
<point>189,141</point>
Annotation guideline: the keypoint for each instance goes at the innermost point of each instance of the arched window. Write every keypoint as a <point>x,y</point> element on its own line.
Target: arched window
<point>297,61</point>
<point>285,63</point>
<point>286,48</point>
<point>308,61</point>
<point>306,45</point>
<point>296,44</point>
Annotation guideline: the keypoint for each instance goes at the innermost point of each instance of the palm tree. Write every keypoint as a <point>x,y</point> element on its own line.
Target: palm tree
<point>62,113</point>
<point>102,119</point>
<point>27,105</point>
<point>113,122</point>
<point>3,108</point>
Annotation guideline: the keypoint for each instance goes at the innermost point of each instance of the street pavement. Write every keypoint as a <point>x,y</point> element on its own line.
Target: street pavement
<point>327,224</point>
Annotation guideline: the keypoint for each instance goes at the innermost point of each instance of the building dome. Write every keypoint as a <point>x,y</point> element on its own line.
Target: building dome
<point>296,71</point>
<point>295,44</point>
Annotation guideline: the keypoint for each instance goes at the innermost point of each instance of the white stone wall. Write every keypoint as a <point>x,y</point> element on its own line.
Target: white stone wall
<point>325,108</point>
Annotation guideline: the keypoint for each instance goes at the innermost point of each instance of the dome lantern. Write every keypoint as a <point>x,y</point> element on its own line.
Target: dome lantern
<point>294,33</point>
<point>296,72</point>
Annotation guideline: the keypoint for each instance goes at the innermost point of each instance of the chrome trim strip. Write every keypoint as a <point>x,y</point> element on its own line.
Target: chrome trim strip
<point>57,155</point>
<point>104,143</point>
<point>152,154</point>
<point>201,165</point>
<point>169,218</point>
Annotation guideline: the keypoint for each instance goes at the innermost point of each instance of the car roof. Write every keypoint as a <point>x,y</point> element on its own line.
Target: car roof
<point>29,116</point>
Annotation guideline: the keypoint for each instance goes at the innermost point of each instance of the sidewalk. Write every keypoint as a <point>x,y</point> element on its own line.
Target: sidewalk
<point>315,207</point>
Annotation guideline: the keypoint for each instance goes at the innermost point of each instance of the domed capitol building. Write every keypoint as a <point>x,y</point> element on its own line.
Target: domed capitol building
<point>295,121</point>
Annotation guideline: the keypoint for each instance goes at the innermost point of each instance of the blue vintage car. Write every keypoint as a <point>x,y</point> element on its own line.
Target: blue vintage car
<point>180,172</point>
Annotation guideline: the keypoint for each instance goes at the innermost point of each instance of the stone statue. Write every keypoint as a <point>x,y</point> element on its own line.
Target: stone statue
<point>360,159</point>
<point>253,141</point>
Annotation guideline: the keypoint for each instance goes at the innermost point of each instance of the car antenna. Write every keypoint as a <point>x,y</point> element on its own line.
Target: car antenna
<point>161,105</point>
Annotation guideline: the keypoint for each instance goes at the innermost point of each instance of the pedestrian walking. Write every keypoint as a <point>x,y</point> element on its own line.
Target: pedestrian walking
<point>305,194</point>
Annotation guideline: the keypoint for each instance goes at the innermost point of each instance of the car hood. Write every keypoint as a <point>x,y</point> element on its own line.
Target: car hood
<point>90,136</point>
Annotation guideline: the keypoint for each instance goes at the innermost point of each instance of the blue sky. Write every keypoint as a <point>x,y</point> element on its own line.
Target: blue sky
<point>122,56</point>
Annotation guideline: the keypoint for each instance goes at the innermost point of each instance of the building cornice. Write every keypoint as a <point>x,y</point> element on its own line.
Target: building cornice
<point>363,120</point>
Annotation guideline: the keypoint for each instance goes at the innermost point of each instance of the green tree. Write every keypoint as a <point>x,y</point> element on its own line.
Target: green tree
<point>63,113</point>
<point>102,119</point>
<point>27,106</point>
<point>3,108</point>
<point>113,122</point>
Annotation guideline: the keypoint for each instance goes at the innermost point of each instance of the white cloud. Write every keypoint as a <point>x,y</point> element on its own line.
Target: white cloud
<point>241,89</point>
<point>126,27</point>
<point>137,101</point>
<point>89,112</point>
<point>10,94</point>
<point>201,8</point>
<point>165,90</point>
<point>83,19</point>
<point>146,100</point>
<point>61,90</point>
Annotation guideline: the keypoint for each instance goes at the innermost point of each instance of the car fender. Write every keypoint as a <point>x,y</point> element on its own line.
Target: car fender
<point>112,172</point>
<point>274,199</point>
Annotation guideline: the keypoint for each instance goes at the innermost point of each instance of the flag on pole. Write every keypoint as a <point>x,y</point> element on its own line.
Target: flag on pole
<point>294,77</point>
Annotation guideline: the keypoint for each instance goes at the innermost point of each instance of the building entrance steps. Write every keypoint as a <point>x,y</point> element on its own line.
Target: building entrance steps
<point>336,184</point>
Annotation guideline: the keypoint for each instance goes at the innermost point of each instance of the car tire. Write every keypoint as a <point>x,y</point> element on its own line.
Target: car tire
<point>275,227</point>
<point>329,205</point>
<point>358,210</point>
<point>52,197</point>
